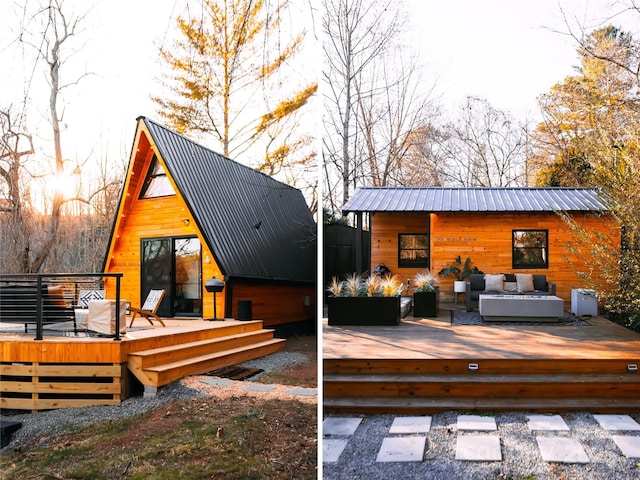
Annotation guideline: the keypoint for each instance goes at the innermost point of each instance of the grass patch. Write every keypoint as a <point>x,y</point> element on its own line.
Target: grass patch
<point>239,438</point>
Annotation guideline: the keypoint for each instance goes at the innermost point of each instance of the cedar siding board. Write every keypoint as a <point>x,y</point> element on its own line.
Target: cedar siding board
<point>469,223</point>
<point>223,202</point>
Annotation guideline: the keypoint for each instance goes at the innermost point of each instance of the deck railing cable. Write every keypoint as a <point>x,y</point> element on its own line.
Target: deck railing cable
<point>18,292</point>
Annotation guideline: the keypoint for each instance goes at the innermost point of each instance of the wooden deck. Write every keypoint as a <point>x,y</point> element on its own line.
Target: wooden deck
<point>429,365</point>
<point>59,372</point>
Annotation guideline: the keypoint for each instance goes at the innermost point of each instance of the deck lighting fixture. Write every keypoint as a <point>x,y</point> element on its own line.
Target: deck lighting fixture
<point>214,285</point>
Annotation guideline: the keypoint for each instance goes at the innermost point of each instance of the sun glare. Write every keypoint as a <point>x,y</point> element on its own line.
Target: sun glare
<point>65,184</point>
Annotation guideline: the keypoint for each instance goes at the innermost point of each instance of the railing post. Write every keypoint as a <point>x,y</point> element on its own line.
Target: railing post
<point>39,326</point>
<point>117,337</point>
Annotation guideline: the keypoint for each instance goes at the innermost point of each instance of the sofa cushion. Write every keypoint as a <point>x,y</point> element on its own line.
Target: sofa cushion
<point>525,282</point>
<point>477,281</point>
<point>511,286</point>
<point>509,277</point>
<point>540,283</point>
<point>494,283</point>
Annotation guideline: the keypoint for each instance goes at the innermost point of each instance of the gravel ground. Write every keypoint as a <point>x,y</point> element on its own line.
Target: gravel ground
<point>46,425</point>
<point>520,452</point>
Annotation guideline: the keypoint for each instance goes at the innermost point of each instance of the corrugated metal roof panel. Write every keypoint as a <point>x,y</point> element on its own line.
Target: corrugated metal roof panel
<point>444,199</point>
<point>256,227</point>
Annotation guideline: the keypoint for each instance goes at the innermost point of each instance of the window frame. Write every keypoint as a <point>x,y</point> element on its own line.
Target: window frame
<point>153,179</point>
<point>544,249</point>
<point>414,264</point>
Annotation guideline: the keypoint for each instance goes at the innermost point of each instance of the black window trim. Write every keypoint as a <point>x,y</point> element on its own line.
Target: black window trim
<point>401,264</point>
<point>517,266</point>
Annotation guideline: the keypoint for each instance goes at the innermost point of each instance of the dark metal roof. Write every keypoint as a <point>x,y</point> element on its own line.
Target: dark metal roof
<point>441,199</point>
<point>255,226</point>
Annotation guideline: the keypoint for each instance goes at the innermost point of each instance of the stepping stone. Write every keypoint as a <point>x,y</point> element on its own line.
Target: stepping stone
<point>411,425</point>
<point>617,422</point>
<point>219,382</point>
<point>402,449</point>
<point>258,387</point>
<point>479,448</point>
<point>547,423</point>
<point>334,426</point>
<point>303,392</point>
<point>332,448</point>
<point>476,422</point>
<point>630,446</point>
<point>562,450</point>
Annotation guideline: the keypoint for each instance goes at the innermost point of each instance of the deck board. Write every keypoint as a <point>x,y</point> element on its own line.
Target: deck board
<point>432,339</point>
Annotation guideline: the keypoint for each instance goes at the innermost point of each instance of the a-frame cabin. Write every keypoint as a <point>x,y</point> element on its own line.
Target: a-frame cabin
<point>187,214</point>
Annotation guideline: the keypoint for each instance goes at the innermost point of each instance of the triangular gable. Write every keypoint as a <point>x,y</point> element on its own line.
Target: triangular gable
<point>255,226</point>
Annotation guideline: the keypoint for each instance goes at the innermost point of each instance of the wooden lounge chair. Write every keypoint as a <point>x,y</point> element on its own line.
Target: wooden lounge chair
<point>149,308</point>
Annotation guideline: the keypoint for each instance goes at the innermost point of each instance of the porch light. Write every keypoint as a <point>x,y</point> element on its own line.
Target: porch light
<point>214,285</point>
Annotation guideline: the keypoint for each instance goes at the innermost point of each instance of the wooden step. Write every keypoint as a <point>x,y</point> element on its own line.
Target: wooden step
<point>431,405</point>
<point>482,365</point>
<point>478,385</point>
<point>166,373</point>
<point>172,353</point>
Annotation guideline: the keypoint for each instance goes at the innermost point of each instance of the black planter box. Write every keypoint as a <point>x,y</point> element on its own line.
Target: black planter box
<point>363,310</point>
<point>426,304</point>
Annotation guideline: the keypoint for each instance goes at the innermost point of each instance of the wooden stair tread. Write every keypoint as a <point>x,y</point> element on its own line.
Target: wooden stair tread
<point>197,343</point>
<point>483,378</point>
<point>203,358</point>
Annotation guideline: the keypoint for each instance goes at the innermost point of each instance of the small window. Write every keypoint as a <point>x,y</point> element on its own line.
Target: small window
<point>156,184</point>
<point>530,249</point>
<point>413,250</point>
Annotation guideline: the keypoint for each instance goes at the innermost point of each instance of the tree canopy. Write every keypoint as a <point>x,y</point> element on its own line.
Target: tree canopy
<point>230,78</point>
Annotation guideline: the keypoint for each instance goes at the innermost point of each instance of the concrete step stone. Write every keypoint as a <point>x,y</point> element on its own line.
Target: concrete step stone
<point>617,422</point>
<point>402,449</point>
<point>547,423</point>
<point>478,448</point>
<point>562,450</point>
<point>476,423</point>
<point>402,425</point>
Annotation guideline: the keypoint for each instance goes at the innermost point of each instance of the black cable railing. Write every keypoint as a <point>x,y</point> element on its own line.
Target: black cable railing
<point>41,299</point>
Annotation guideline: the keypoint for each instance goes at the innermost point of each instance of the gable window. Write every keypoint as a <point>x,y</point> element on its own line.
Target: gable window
<point>530,248</point>
<point>413,250</point>
<point>156,184</point>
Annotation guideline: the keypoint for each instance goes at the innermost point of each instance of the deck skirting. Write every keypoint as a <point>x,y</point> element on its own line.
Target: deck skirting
<point>44,386</point>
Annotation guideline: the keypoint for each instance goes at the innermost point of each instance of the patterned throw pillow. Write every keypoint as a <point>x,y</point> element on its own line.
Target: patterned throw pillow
<point>86,296</point>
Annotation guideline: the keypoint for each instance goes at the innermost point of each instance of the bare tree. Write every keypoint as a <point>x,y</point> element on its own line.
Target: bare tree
<point>356,34</point>
<point>51,33</point>
<point>393,105</point>
<point>15,145</point>
<point>483,147</point>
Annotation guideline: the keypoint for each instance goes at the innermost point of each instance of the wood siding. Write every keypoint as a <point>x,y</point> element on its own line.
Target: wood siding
<point>485,237</point>
<point>275,304</point>
<point>152,218</point>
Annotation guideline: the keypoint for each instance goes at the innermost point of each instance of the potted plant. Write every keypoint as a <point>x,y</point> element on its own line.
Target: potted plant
<point>364,301</point>
<point>426,301</point>
<point>460,271</point>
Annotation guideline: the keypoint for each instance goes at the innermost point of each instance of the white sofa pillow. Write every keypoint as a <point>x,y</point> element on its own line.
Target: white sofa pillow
<point>493,283</point>
<point>525,282</point>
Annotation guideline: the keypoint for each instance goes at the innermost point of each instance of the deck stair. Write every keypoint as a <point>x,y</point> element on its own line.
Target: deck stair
<point>428,386</point>
<point>210,350</point>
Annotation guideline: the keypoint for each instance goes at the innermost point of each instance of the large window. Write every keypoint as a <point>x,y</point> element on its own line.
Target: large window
<point>413,250</point>
<point>530,248</point>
